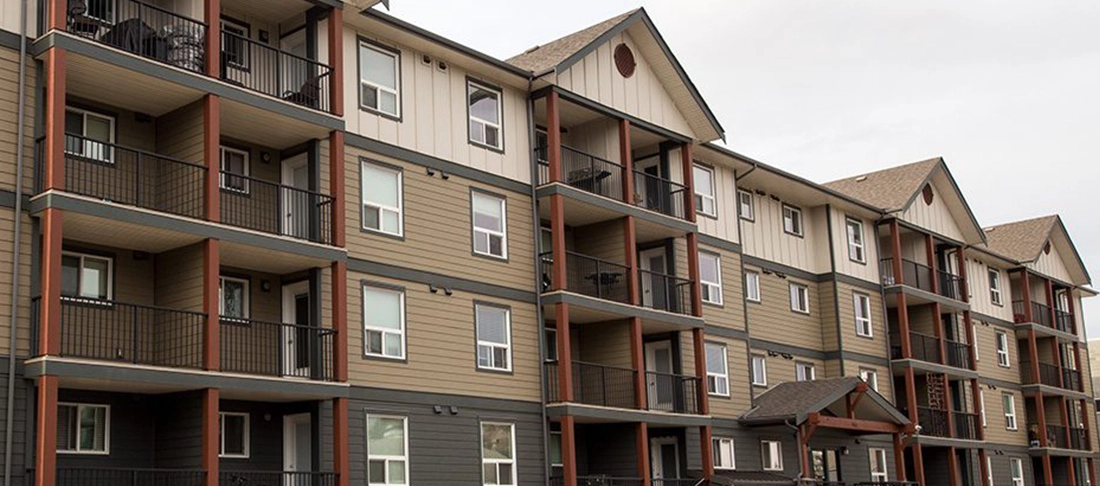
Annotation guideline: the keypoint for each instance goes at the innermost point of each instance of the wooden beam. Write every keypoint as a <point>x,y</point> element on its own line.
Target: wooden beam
<point>626,158</point>
<point>336,60</point>
<point>854,425</point>
<point>45,460</point>
<point>211,434</point>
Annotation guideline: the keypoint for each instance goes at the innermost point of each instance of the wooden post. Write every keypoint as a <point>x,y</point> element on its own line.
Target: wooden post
<point>983,466</point>
<point>211,435</point>
<point>568,450</point>
<point>1041,416</point>
<point>1092,470</point>
<point>1071,464</point>
<point>804,452</point>
<point>337,188</point>
<point>637,360</point>
<point>952,467</point>
<point>211,280</point>
<point>1025,294</point>
<point>911,394</point>
<point>918,464</point>
<point>340,321</point>
<point>212,154</point>
<point>341,461</point>
<point>553,137</point>
<point>1048,471</point>
<point>336,60</point>
<point>899,457</point>
<point>54,150</point>
<point>688,166</point>
<point>58,11</point>
<point>693,274</point>
<point>1085,424</point>
<point>895,247</point>
<point>903,326</point>
<point>45,457</point>
<point>49,342</point>
<point>641,448</point>
<point>627,159</point>
<point>212,14</point>
<point>930,254</point>
<point>976,393</point>
<point>706,449</point>
<point>700,349</point>
<point>630,250</point>
<point>971,340</point>
<point>964,278</point>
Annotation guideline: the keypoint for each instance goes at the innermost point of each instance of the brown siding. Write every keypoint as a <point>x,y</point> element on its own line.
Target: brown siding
<point>605,241</point>
<point>180,133</point>
<point>738,402</point>
<point>773,320</point>
<point>731,314</point>
<point>877,343</point>
<point>179,279</point>
<point>9,86</point>
<point>7,236</point>
<point>606,343</point>
<point>987,353</point>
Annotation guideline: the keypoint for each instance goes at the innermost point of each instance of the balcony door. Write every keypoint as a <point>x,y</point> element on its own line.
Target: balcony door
<point>664,459</point>
<point>648,189</point>
<point>295,198</point>
<point>660,385</point>
<point>296,332</point>
<point>297,448</point>
<point>653,285</point>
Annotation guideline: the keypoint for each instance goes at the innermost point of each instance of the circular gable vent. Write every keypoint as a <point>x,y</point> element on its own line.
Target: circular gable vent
<point>1046,248</point>
<point>624,60</point>
<point>928,194</point>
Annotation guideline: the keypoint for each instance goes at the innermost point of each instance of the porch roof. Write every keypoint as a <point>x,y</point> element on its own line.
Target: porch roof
<point>823,400</point>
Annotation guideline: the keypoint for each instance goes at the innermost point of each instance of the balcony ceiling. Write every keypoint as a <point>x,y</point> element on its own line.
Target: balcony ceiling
<point>268,10</point>
<point>112,85</point>
<point>245,122</point>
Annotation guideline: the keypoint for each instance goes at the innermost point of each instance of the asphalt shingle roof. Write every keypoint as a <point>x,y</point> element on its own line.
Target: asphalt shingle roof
<point>792,398</point>
<point>553,53</point>
<point>889,189</point>
<point>1020,240</point>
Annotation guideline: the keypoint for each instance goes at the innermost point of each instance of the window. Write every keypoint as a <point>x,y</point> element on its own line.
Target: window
<point>792,220</point>
<point>804,372</point>
<point>379,79</point>
<point>494,337</point>
<point>555,449</point>
<point>977,342</point>
<point>1002,350</point>
<point>746,207</point>
<point>759,371</point>
<point>989,471</point>
<point>382,199</point>
<point>870,377</point>
<point>551,342</point>
<point>234,176</point>
<point>800,298</point>
<point>995,286</point>
<point>862,303</point>
<point>856,250</point>
<point>234,435</point>
<point>490,232</point>
<point>1017,467</point>
<point>498,457</point>
<point>387,450</point>
<point>771,455</point>
<point>718,382</point>
<point>384,325</point>
<point>86,276</point>
<point>705,202</point>
<point>981,400</point>
<point>710,277</point>
<point>83,428</point>
<point>723,453</point>
<point>485,115</point>
<point>878,465</point>
<point>89,134</point>
<point>235,46</point>
<point>233,297</point>
<point>752,286</point>
<point>1010,411</point>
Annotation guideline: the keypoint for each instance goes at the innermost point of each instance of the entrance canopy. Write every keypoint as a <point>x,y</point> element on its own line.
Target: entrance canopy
<point>839,403</point>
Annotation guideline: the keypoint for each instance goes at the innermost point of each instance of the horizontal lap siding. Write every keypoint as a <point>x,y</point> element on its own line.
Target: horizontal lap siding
<point>9,91</point>
<point>885,382</point>
<point>181,134</point>
<point>830,338</point>
<point>731,314</point>
<point>606,343</point>
<point>986,337</point>
<point>7,237</point>
<point>179,276</point>
<point>995,430</point>
<point>876,345</point>
<point>605,241</point>
<point>739,400</point>
<point>773,320</point>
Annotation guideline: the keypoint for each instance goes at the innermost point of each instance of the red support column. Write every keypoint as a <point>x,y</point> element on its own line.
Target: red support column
<point>336,187</point>
<point>637,360</point>
<point>45,457</point>
<point>976,393</point>
<point>627,159</point>
<point>952,467</point>
<point>706,446</point>
<point>804,453</point>
<point>1048,470</point>
<point>57,13</point>
<point>950,407</point>
<point>1092,470</point>
<point>964,279</point>
<point>49,339</point>
<point>688,166</point>
<point>895,247</point>
<point>693,274</point>
<point>1070,464</point>
<point>553,137</point>
<point>568,450</point>
<point>1041,417</point>
<point>918,464</point>
<point>336,60</point>
<point>972,351</point>
<point>641,448</point>
<point>937,329</point>
<point>911,393</point>
<point>565,354</point>
<point>340,320</point>
<point>1085,423</point>
<point>557,242</point>
<point>341,460</point>
<point>930,254</point>
<point>212,14</point>
<point>212,154</point>
<point>1077,366</point>
<point>211,435</point>
<point>211,265</point>
<point>54,150</point>
<point>630,250</point>
<point>1025,294</point>
<point>983,467</point>
<point>899,457</point>
<point>700,349</point>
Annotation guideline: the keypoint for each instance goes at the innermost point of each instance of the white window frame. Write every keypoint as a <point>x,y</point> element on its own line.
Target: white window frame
<point>793,215</point>
<point>246,311</point>
<point>704,197</point>
<point>491,345</point>
<point>108,152</point>
<point>878,458</point>
<point>774,450</point>
<point>995,287</point>
<point>1008,401</point>
<point>746,205</point>
<point>989,471</point>
<point>80,274</point>
<point>725,454</point>
<point>981,399</point>
<point>384,331</point>
<point>1003,359</point>
<point>106,433</point>
<point>1015,465</point>
<point>752,286</point>
<point>800,292</point>
<point>856,242</point>
<point>244,31</point>
<point>382,208</point>
<point>711,289</point>
<point>804,371</point>
<point>244,189</point>
<point>862,305</point>
<point>489,233</point>
<point>396,56</point>
<point>870,377</point>
<point>386,459</point>
<point>762,378</point>
<point>724,376</point>
<point>556,433</point>
<point>977,342</point>
<point>485,461</point>
<point>470,86</point>
<point>247,440</point>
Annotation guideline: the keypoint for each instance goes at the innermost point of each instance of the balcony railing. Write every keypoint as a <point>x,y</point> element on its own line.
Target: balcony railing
<point>958,355</point>
<point>665,292</point>
<point>950,285</point>
<point>599,480</point>
<point>1064,321</point>
<point>276,349</point>
<point>1057,436</point>
<point>672,393</point>
<point>265,69</point>
<point>1050,375</point>
<point>124,477</point>
<point>660,195</point>
<point>589,276</point>
<point>588,173</point>
<point>116,331</point>
<point>276,478</point>
<point>1078,438</point>
<point>1071,379</point>
<point>966,425</point>
<point>933,422</point>
<point>595,384</point>
<point>142,29</point>
<point>913,274</point>
<point>925,347</point>
<point>123,175</point>
<point>1040,314</point>
<point>273,208</point>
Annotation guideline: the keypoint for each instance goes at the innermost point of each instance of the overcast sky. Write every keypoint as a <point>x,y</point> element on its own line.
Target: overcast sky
<point>1008,92</point>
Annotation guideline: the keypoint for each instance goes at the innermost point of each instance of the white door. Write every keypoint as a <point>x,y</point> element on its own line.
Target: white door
<point>647,185</point>
<point>297,448</point>
<point>295,70</point>
<point>660,384</point>
<point>664,459</point>
<point>297,201</point>
<point>296,342</point>
<point>655,286</point>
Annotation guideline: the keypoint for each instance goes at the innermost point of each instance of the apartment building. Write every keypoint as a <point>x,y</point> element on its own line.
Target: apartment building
<point>303,242</point>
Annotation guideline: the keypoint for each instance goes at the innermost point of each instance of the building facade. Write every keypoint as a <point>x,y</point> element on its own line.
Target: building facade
<point>303,242</point>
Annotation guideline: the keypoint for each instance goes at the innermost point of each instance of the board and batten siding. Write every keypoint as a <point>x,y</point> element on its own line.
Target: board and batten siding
<point>434,118</point>
<point>723,225</point>
<point>764,236</point>
<point>981,300</point>
<point>935,217</point>
<point>441,345</point>
<point>868,269</point>
<point>1052,265</point>
<point>773,320</point>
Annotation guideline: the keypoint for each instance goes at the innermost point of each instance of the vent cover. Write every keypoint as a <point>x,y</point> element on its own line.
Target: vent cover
<point>624,60</point>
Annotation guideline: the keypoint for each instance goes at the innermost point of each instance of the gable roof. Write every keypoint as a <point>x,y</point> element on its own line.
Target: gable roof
<point>795,400</point>
<point>1025,240</point>
<point>559,55</point>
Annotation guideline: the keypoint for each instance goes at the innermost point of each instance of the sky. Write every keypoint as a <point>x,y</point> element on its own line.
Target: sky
<point>1007,91</point>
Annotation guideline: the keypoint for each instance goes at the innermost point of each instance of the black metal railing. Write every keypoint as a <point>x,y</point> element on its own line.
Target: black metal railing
<point>674,482</point>
<point>265,69</point>
<point>1057,436</point>
<point>1078,438</point>
<point>115,331</point>
<point>966,425</point>
<point>933,422</point>
<point>950,285</point>
<point>888,483</point>
<point>145,30</point>
<point>595,384</point>
<point>958,354</point>
<point>665,292</point>
<point>1040,313</point>
<point>276,478</point>
<point>1048,374</point>
<point>672,393</point>
<point>589,276</point>
<point>924,347</point>
<point>913,274</point>
<point>128,176</point>
<point>260,205</point>
<point>660,195</point>
<point>124,477</point>
<point>1071,379</point>
<point>590,173</point>
<point>599,480</point>
<point>1064,321</point>
<point>277,349</point>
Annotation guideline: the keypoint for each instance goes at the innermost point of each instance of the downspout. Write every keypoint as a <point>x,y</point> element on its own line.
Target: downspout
<point>9,419</point>
<point>798,441</point>
<point>547,468</point>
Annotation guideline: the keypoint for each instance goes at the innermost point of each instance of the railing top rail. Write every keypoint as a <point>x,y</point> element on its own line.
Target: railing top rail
<point>586,154</point>
<point>106,304</point>
<point>673,375</point>
<point>921,334</point>
<point>660,274</point>
<point>135,150</point>
<point>272,183</point>
<point>169,12</point>
<point>598,365</point>
<point>285,53</point>
<point>247,321</point>
<point>918,265</point>
<point>660,179</point>
<point>128,469</point>
<point>592,258</point>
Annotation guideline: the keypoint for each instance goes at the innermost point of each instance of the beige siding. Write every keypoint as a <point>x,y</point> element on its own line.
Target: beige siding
<point>724,224</point>
<point>737,358</point>
<point>179,276</point>
<point>782,370</point>
<point>731,314</point>
<point>606,343</point>
<point>438,228</point>
<point>434,114</point>
<point>986,336</point>
<point>830,339</point>
<point>773,320</point>
<point>868,268</point>
<point>7,278</point>
<point>9,91</point>
<point>605,241</point>
<point>876,345</point>
<point>181,134</point>
<point>764,236</point>
<point>995,430</point>
<point>1052,265</point>
<point>936,217</point>
<point>981,301</point>
<point>441,351</point>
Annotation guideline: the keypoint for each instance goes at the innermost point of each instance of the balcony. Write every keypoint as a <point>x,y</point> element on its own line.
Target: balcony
<point>1061,437</point>
<point>958,355</point>
<point>609,386</point>
<point>275,478</point>
<point>966,425</point>
<point>277,349</point>
<point>273,72</point>
<point>660,195</point>
<point>268,207</point>
<point>920,276</point>
<point>606,280</point>
<point>141,29</point>
<point>665,292</point>
<point>1051,375</point>
<point>933,422</point>
<point>86,476</point>
<point>925,348</point>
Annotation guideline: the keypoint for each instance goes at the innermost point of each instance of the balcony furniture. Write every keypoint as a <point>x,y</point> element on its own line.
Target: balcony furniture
<point>308,95</point>
<point>587,178</point>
